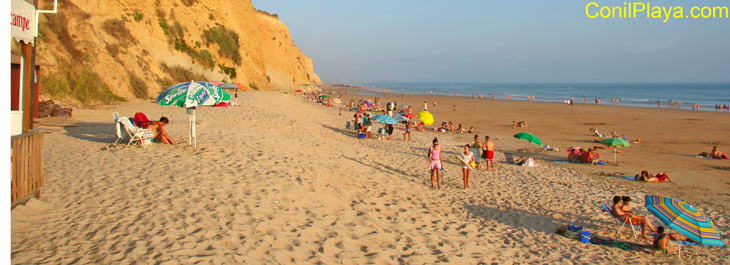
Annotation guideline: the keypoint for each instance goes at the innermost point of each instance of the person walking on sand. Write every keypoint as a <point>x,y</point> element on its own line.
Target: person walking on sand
<point>425,105</point>
<point>434,104</point>
<point>488,152</point>
<point>468,156</point>
<point>408,132</point>
<point>475,149</point>
<point>434,156</point>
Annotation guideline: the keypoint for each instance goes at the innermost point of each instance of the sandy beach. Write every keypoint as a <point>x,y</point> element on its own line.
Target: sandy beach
<point>278,180</point>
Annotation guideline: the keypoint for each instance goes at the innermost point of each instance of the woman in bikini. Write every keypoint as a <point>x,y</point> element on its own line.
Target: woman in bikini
<point>434,156</point>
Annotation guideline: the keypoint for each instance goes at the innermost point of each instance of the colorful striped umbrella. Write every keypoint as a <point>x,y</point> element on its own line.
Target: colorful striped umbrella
<point>685,219</point>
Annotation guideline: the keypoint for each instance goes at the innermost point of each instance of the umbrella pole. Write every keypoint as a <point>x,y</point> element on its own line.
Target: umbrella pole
<point>195,138</point>
<point>614,156</point>
<point>190,129</point>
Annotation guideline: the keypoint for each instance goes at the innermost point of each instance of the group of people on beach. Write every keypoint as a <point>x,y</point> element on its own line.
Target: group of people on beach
<point>469,158</point>
<point>580,155</point>
<point>621,209</point>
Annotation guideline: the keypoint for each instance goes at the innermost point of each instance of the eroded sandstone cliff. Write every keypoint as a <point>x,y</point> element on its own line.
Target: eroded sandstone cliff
<point>139,47</point>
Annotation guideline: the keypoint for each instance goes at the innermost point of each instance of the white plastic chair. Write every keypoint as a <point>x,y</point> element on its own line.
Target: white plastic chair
<point>136,135</point>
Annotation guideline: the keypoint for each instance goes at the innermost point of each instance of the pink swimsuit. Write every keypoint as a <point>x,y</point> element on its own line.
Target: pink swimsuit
<point>435,159</point>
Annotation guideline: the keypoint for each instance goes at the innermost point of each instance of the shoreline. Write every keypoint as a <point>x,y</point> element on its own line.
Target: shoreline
<point>577,101</point>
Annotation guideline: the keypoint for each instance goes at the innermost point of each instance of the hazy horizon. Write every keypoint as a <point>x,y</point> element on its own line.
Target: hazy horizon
<point>498,42</point>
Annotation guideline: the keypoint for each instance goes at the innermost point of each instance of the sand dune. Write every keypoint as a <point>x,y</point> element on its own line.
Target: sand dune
<point>279,180</point>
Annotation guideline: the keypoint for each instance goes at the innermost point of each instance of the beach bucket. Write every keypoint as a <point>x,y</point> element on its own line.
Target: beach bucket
<point>361,136</point>
<point>585,237</point>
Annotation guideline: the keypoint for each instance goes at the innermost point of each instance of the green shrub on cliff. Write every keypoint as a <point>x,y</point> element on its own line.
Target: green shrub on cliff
<point>227,41</point>
<point>76,80</point>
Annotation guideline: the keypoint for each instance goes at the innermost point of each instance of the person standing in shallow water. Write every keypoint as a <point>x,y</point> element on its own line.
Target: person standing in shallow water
<point>434,157</point>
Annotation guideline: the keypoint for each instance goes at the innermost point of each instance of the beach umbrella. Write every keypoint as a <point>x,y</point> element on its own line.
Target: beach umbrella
<point>615,142</point>
<point>409,115</point>
<point>324,96</point>
<point>231,86</point>
<point>425,117</point>
<point>337,100</point>
<point>685,219</point>
<point>400,118</point>
<point>228,86</point>
<point>403,106</point>
<point>528,137</point>
<point>189,95</point>
<point>382,118</point>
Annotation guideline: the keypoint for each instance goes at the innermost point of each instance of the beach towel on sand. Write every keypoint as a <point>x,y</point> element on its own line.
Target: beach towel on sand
<point>622,245</point>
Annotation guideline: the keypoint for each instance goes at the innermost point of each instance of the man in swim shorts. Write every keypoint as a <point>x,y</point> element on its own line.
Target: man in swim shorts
<point>488,150</point>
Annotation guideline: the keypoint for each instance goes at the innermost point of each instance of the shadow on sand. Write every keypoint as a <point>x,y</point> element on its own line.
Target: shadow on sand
<point>94,132</point>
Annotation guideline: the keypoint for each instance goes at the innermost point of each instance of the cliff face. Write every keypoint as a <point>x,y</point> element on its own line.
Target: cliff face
<point>161,42</point>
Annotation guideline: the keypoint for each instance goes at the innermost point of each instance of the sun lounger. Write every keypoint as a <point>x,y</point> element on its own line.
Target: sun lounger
<point>608,210</point>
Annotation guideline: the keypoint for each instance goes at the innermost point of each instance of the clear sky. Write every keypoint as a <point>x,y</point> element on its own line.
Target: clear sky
<point>502,41</point>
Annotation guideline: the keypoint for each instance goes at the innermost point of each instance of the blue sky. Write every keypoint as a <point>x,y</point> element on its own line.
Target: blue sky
<point>501,41</point>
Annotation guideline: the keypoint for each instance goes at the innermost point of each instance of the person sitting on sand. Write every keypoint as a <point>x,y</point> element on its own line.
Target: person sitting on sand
<point>717,154</point>
<point>596,156</point>
<point>587,156</point>
<point>420,127</point>
<point>661,240</point>
<point>574,154</point>
<point>623,211</point>
<point>460,129</point>
<point>160,134</point>
<point>434,156</point>
<point>471,129</point>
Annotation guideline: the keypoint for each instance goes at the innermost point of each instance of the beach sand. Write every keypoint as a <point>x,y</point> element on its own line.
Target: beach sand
<point>279,180</point>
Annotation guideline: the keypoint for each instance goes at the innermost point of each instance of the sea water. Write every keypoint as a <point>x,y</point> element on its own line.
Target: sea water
<point>707,95</point>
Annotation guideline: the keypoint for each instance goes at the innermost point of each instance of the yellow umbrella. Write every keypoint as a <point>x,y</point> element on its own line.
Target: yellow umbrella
<point>425,117</point>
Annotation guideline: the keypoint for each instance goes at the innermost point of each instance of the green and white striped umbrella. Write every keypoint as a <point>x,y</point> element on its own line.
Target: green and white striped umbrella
<point>192,94</point>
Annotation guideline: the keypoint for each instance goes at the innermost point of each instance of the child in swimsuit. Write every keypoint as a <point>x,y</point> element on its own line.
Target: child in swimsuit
<point>434,156</point>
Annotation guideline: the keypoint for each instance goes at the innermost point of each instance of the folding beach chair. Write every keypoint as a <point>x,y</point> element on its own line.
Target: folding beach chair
<point>509,157</point>
<point>608,210</point>
<point>136,135</point>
